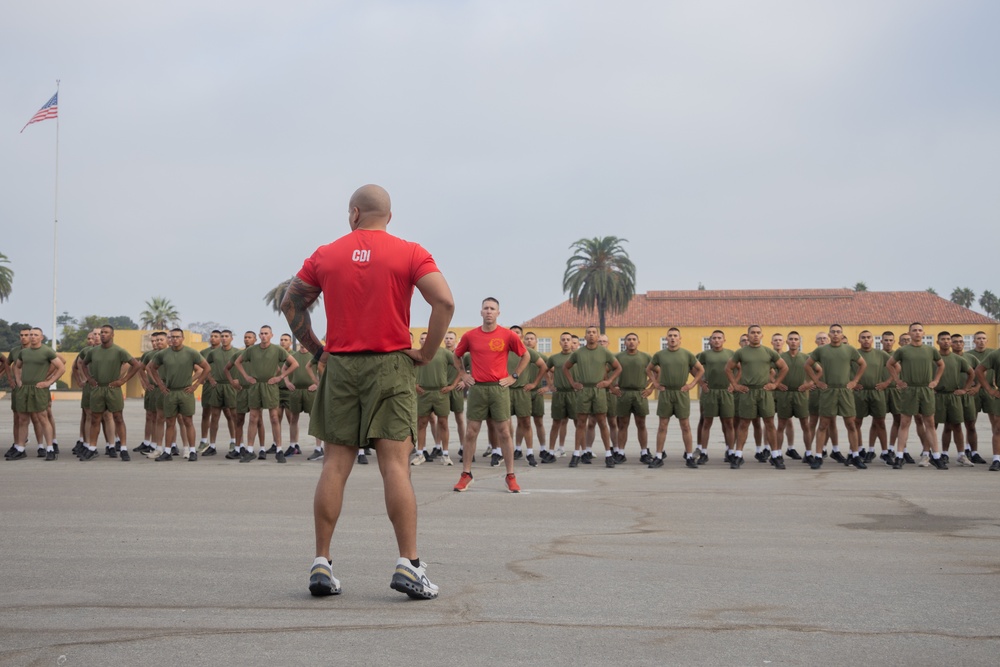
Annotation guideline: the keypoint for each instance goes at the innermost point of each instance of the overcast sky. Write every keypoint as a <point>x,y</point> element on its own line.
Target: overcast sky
<point>207,148</point>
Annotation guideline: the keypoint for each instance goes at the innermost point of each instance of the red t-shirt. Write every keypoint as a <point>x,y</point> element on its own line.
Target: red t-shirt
<point>489,352</point>
<point>367,278</point>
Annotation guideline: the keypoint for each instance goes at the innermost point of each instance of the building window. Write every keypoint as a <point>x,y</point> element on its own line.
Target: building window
<point>706,344</point>
<point>929,340</point>
<point>663,343</point>
<point>621,344</point>
<point>545,345</point>
<point>969,345</point>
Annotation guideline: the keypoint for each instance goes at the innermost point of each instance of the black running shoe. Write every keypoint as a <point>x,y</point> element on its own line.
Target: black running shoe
<point>90,455</point>
<point>495,460</point>
<point>318,454</point>
<point>297,449</point>
<point>816,463</point>
<point>209,451</point>
<point>995,466</point>
<point>944,457</point>
<point>428,457</point>
<point>574,461</point>
<point>262,455</point>
<point>792,454</point>
<point>17,455</point>
<point>838,457</point>
<point>908,459</point>
<point>247,456</point>
<point>621,458</point>
<point>871,456</point>
<point>517,454</point>
<point>233,454</point>
<point>897,463</point>
<point>322,582</point>
<point>273,449</point>
<point>690,462</point>
<point>735,462</point>
<point>656,463</point>
<point>174,451</point>
<point>609,462</point>
<point>50,456</point>
<point>702,459</point>
<point>165,456</point>
<point>125,455</point>
<point>728,458</point>
<point>939,463</point>
<point>807,458</point>
<point>976,458</point>
<point>193,456</point>
<point>530,458</point>
<point>778,462</point>
<point>646,458</point>
<point>112,453</point>
<point>279,457</point>
<point>858,462</point>
<point>587,457</point>
<point>75,451</point>
<point>762,456</point>
<point>362,459</point>
<point>290,451</point>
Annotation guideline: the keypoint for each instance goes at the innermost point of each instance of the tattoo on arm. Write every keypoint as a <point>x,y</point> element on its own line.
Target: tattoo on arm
<point>295,305</point>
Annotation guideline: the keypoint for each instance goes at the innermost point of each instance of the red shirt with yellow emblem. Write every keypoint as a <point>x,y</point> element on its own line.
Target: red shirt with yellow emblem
<point>489,352</point>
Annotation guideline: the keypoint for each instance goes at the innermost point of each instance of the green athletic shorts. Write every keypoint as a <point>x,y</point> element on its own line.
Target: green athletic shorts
<point>457,400</point>
<point>948,408</point>
<point>814,403</point>
<point>283,395</point>
<point>985,402</point>
<point>31,399</point>
<point>612,402</point>
<point>673,403</point>
<point>13,398</point>
<point>106,399</point>
<point>870,403</point>
<point>537,404</point>
<point>366,397</point>
<point>918,401</point>
<point>718,403</point>
<point>789,404</point>
<point>836,402</point>
<point>263,396</point>
<point>756,403</point>
<point>178,402</point>
<point>301,400</point>
<point>520,402</point>
<point>969,408</point>
<point>149,399</point>
<point>591,401</point>
<point>632,402</point>
<point>242,400</point>
<point>488,401</point>
<point>85,396</point>
<point>893,400</point>
<point>432,400</point>
<point>564,404</point>
<point>222,395</point>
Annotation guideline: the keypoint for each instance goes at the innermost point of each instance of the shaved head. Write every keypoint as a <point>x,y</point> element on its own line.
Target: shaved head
<point>369,206</point>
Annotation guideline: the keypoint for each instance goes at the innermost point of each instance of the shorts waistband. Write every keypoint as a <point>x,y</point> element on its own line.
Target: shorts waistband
<point>632,388</point>
<point>589,385</point>
<point>486,384</point>
<point>943,391</point>
<point>671,389</point>
<point>564,391</point>
<point>178,388</point>
<point>753,386</point>
<point>836,386</point>
<point>916,386</point>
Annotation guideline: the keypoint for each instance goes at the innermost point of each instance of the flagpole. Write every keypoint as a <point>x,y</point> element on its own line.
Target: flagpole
<point>55,235</point>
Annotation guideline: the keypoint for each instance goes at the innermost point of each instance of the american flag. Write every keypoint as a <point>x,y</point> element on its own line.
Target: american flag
<point>49,110</point>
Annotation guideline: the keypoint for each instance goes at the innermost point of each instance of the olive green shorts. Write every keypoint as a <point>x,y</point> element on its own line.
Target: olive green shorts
<point>242,400</point>
<point>718,403</point>
<point>537,404</point>
<point>789,404</point>
<point>488,401</point>
<point>918,401</point>
<point>283,395</point>
<point>893,400</point>
<point>222,395</point>
<point>836,402</point>
<point>948,408</point>
<point>457,400</point>
<point>673,403</point>
<point>85,396</point>
<point>149,399</point>
<point>106,399</point>
<point>985,402</point>
<point>969,408</point>
<point>32,399</point>
<point>432,400</point>
<point>591,401</point>
<point>756,403</point>
<point>365,397</point>
<point>631,402</point>
<point>301,400</point>
<point>612,402</point>
<point>13,398</point>
<point>263,396</point>
<point>870,403</point>
<point>520,402</point>
<point>178,402</point>
<point>814,403</point>
<point>564,405</point>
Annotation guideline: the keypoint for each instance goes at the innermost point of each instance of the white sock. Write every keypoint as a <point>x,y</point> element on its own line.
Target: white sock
<point>496,450</point>
<point>19,448</point>
<point>531,452</point>
<point>50,449</point>
<point>738,453</point>
<point>937,455</point>
<point>775,453</point>
<point>444,452</point>
<point>659,455</point>
<point>576,452</point>
<point>607,454</point>
<point>645,450</point>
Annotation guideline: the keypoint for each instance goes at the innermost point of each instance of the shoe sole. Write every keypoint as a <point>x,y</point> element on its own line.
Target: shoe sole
<point>320,588</point>
<point>466,487</point>
<point>414,590</point>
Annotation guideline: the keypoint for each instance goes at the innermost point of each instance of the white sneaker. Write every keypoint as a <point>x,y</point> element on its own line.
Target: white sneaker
<point>560,452</point>
<point>925,460</point>
<point>964,461</point>
<point>413,580</point>
<point>418,459</point>
<point>446,461</point>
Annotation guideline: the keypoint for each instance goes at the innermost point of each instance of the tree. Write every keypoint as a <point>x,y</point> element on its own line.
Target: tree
<point>206,328</point>
<point>860,286</point>
<point>160,313</point>
<point>701,286</point>
<point>274,295</point>
<point>74,331</point>
<point>600,276</point>
<point>6,278</point>
<point>932,291</point>
<point>963,296</point>
<point>990,304</point>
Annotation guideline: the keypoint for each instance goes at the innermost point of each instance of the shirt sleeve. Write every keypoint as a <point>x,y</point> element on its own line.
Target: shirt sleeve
<point>423,263</point>
<point>463,345</point>
<point>307,273</point>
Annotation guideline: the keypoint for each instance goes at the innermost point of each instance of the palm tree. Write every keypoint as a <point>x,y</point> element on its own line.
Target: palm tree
<point>860,286</point>
<point>6,278</point>
<point>990,304</point>
<point>159,314</point>
<point>274,295</point>
<point>600,276</point>
<point>963,296</point>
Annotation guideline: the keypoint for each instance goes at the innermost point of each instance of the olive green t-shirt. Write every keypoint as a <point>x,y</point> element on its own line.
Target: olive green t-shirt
<point>301,378</point>
<point>262,363</point>
<point>35,364</point>
<point>675,367</point>
<point>105,364</point>
<point>14,354</point>
<point>434,374</point>
<point>235,373</point>
<point>218,358</point>
<point>836,362</point>
<point>991,362</point>
<point>919,364</point>
<point>633,375</point>
<point>875,371</point>
<point>176,367</point>
<point>956,369</point>
<point>980,357</point>
<point>592,364</point>
<point>796,375</point>
<point>556,362</point>
<point>755,364</point>
<point>530,371</point>
<point>715,367</point>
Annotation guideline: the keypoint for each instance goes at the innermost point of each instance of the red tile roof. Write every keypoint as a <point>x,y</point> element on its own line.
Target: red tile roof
<point>810,307</point>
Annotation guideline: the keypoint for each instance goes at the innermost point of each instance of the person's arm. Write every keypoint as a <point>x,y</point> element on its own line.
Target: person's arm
<point>542,370</point>
<point>461,379</point>
<point>813,375</point>
<point>239,367</point>
<point>937,375</point>
<point>434,288</point>
<point>782,372</point>
<point>152,370</point>
<point>893,368</point>
<point>970,379</point>
<point>291,363</point>
<point>697,372</point>
<point>573,383</point>
<point>862,365</point>
<point>986,386</point>
<point>84,370</point>
<point>731,374</point>
<point>134,367</point>
<point>522,363</point>
<point>616,370</point>
<point>56,368</point>
<point>299,297</point>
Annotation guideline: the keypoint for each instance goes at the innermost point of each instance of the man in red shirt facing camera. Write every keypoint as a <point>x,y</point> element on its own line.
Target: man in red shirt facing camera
<point>367,394</point>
